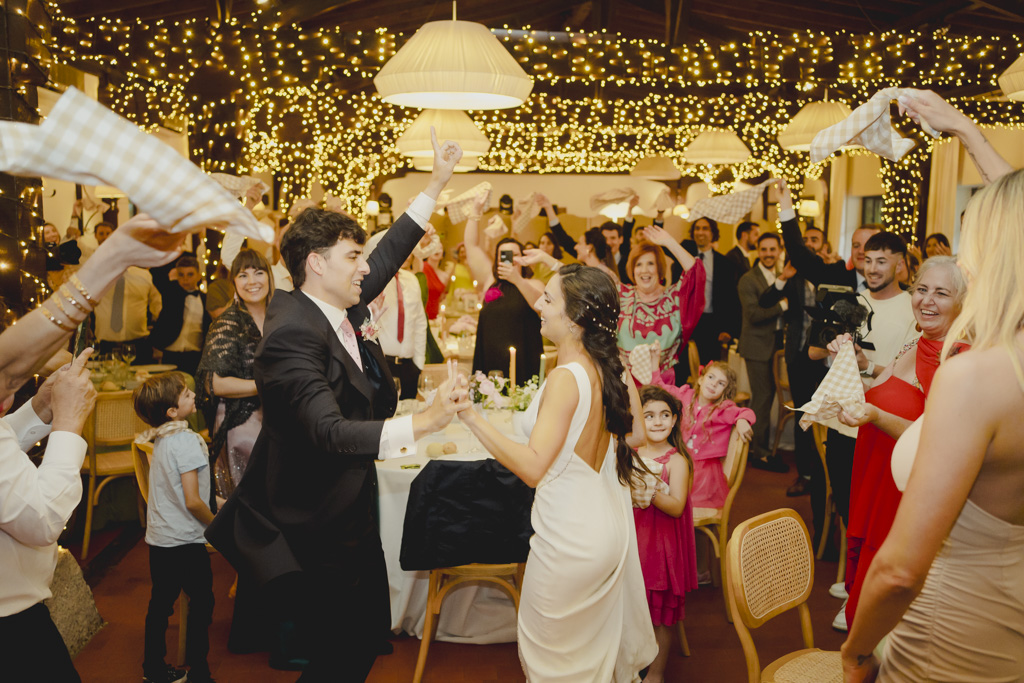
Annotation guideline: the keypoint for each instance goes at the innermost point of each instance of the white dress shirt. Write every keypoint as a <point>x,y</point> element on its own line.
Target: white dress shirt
<point>191,336</point>
<point>140,295</point>
<point>35,504</point>
<point>414,333</point>
<point>709,272</point>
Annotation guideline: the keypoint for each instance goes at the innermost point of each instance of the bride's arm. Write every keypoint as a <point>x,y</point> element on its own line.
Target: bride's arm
<point>530,461</point>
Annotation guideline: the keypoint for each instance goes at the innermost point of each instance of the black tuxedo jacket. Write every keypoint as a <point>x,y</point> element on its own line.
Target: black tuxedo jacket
<point>739,259</point>
<point>793,292</point>
<point>172,314</point>
<point>725,298</point>
<point>308,498</point>
<point>809,265</point>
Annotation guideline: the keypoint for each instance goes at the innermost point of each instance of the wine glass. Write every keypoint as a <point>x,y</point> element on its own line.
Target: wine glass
<point>128,353</point>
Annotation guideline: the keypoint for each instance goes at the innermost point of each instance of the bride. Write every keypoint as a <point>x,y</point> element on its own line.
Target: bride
<point>583,614</point>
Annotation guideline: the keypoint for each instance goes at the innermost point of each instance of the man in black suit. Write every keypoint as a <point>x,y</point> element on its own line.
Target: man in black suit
<point>303,520</point>
<point>720,322</point>
<point>180,329</point>
<point>619,240</point>
<point>747,234</point>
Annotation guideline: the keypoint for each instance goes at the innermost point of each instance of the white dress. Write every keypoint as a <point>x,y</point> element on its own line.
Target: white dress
<point>583,617</point>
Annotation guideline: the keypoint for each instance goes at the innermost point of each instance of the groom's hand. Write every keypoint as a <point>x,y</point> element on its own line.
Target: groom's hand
<point>445,158</point>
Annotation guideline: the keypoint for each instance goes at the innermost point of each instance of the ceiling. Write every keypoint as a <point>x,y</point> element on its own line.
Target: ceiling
<point>669,21</point>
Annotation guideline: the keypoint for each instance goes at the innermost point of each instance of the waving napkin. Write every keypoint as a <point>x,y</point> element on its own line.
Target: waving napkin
<point>239,185</point>
<point>643,491</point>
<point>526,210</point>
<point>841,389</point>
<point>462,207</point>
<point>870,126</point>
<point>729,208</point>
<point>495,229</point>
<point>641,362</point>
<point>603,199</point>
<point>84,142</point>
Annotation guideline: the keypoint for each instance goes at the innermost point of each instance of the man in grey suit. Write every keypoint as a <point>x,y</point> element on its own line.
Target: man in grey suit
<point>760,337</point>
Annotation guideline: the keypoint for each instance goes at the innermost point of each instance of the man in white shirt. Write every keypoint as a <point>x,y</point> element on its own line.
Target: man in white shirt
<point>121,315</point>
<point>35,504</point>
<point>403,328</point>
<point>303,521</point>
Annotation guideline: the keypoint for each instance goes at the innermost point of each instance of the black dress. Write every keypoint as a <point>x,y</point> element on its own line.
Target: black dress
<point>508,320</point>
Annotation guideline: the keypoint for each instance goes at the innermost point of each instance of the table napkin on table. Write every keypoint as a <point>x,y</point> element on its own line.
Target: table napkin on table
<point>84,142</point>
<point>870,125</point>
<point>462,206</point>
<point>729,208</point>
<point>842,389</point>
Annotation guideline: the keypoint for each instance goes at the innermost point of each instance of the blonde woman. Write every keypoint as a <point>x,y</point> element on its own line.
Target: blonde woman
<point>949,580</point>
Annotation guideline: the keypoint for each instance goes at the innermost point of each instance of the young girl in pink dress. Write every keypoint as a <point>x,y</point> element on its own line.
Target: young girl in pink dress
<point>664,529</point>
<point>708,418</point>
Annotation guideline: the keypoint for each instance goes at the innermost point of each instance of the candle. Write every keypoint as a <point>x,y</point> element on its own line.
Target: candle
<point>543,366</point>
<point>443,321</point>
<point>511,368</point>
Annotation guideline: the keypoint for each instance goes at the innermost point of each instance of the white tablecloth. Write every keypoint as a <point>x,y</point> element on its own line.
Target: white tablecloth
<point>471,613</point>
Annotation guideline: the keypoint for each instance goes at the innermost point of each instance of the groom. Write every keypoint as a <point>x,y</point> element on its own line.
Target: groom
<point>303,520</point>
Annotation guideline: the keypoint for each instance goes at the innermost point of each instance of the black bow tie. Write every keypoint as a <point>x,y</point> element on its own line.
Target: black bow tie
<point>195,292</point>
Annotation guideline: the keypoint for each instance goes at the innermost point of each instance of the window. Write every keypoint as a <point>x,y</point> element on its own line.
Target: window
<point>871,210</point>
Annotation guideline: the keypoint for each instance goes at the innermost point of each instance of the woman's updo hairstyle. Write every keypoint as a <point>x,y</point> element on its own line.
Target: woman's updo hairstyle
<point>592,303</point>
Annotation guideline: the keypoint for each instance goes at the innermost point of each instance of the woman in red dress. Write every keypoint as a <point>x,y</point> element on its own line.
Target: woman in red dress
<point>891,405</point>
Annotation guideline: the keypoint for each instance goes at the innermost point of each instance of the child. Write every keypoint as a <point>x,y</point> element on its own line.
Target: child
<point>664,530</point>
<point>180,329</point>
<point>708,418</point>
<point>179,486</point>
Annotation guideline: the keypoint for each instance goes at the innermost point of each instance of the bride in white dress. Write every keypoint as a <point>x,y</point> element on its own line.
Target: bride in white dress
<point>583,616</point>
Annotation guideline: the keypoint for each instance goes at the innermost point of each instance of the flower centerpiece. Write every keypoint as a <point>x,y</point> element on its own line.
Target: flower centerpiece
<point>488,392</point>
<point>522,395</point>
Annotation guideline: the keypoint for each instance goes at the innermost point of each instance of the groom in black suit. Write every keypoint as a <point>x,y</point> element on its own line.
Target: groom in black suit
<point>303,520</point>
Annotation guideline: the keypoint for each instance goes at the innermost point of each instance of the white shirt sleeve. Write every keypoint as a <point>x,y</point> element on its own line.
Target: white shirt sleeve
<point>36,502</point>
<point>419,325</point>
<point>397,439</point>
<point>230,248</point>
<point>27,426</point>
<point>787,215</point>
<point>420,209</point>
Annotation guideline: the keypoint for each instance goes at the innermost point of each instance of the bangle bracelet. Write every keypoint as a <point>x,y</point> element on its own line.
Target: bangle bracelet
<point>60,304</point>
<point>74,302</point>
<point>53,319</point>
<point>82,290</point>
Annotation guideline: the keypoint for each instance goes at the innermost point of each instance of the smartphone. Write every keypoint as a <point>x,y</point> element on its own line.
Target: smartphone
<point>506,256</point>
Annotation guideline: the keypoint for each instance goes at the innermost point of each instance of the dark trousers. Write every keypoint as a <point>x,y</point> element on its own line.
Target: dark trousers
<point>839,457</point>
<point>33,650</point>
<point>173,570</point>
<point>187,361</point>
<point>406,372</point>
<point>143,349</point>
<point>705,335</point>
<point>804,377</point>
<point>762,394</point>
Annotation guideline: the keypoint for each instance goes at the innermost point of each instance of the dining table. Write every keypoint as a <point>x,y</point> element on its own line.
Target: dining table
<point>471,613</point>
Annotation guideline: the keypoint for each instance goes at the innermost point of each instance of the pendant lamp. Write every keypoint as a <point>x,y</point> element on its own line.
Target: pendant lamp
<point>717,146</point>
<point>655,167</point>
<point>1011,81</point>
<point>453,65</point>
<point>813,118</point>
<point>426,163</point>
<point>449,124</point>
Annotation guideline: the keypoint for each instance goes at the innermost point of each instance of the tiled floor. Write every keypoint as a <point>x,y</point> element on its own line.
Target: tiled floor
<point>115,653</point>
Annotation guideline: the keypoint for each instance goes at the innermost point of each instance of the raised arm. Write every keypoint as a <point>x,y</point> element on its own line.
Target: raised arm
<point>660,236</point>
<point>563,239</point>
<point>479,261</point>
<point>806,262</point>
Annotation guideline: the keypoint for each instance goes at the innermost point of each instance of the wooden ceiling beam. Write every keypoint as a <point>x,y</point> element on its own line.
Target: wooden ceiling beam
<point>1013,9</point>
<point>299,11</point>
<point>931,13</point>
<point>79,9</point>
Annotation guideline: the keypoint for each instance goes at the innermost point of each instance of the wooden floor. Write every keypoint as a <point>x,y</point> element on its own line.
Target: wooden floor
<point>115,653</point>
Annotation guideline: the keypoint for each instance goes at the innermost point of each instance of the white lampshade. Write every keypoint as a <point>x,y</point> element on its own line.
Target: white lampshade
<point>372,208</point>
<point>426,163</point>
<point>656,168</point>
<point>717,146</point>
<point>809,121</point>
<point>1011,81</point>
<point>450,124</point>
<point>453,65</point>
<point>809,208</point>
<point>681,210</point>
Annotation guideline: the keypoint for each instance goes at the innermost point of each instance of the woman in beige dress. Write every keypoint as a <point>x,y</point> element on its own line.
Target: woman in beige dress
<point>949,580</point>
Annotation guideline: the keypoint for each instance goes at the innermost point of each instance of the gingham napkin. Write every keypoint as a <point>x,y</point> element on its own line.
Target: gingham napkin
<point>728,208</point>
<point>643,491</point>
<point>434,246</point>
<point>239,185</point>
<point>870,126</point>
<point>84,142</point>
<point>603,199</point>
<point>495,229</point>
<point>461,207</point>
<point>527,209</point>
<point>641,362</point>
<point>841,389</point>
<point>663,202</point>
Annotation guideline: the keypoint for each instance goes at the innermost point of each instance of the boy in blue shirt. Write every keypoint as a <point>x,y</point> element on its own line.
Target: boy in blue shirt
<point>179,486</point>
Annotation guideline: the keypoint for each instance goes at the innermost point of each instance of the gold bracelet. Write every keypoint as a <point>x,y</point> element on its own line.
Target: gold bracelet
<point>60,304</point>
<point>75,302</point>
<point>82,290</point>
<point>53,319</point>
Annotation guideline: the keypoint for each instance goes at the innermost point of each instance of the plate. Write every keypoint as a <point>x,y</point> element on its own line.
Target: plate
<point>154,369</point>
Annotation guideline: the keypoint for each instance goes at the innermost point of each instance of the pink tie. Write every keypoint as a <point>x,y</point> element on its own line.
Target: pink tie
<point>349,341</point>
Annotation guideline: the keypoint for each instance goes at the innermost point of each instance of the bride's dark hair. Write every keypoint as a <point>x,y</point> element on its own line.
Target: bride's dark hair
<point>592,302</point>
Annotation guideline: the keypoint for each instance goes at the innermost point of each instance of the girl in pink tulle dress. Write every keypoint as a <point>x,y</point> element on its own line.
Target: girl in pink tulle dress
<point>708,418</point>
<point>664,529</point>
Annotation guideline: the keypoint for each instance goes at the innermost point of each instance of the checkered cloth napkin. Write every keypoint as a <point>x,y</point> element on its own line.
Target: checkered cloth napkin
<point>641,362</point>
<point>495,229</point>
<point>239,185</point>
<point>84,142</point>
<point>603,199</point>
<point>842,389</point>
<point>527,209</point>
<point>663,202</point>
<point>461,207</point>
<point>870,126</point>
<point>729,208</point>
<point>643,491</point>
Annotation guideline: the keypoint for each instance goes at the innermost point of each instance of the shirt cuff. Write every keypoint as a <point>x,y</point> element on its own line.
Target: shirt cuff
<point>420,209</point>
<point>784,304</point>
<point>27,425</point>
<point>786,215</point>
<point>397,439</point>
<point>779,284</point>
<point>553,221</point>
<point>64,449</point>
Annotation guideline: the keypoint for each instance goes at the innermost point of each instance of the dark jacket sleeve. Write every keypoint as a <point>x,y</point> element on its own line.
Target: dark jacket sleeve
<point>566,242</point>
<point>772,295</point>
<point>392,251</point>
<point>809,264</point>
<point>727,305</point>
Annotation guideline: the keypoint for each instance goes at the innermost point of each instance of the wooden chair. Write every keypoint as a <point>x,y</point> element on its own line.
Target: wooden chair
<point>693,357</point>
<point>108,432</point>
<point>142,455</point>
<point>781,392</point>
<point>715,521</point>
<point>820,438</point>
<point>442,581</point>
<point>771,571</point>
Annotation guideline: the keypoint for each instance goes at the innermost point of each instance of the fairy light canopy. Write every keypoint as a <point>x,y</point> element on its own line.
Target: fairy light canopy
<point>448,124</point>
